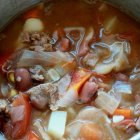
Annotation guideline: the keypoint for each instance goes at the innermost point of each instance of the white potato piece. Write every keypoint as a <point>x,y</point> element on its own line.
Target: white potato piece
<point>57,124</point>
<point>33,25</point>
<point>117,118</point>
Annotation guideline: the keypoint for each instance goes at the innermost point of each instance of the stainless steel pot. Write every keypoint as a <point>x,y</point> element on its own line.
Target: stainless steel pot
<point>10,8</point>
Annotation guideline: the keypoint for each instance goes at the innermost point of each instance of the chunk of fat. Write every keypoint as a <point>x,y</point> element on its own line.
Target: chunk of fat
<point>117,118</point>
<point>33,25</point>
<point>57,124</point>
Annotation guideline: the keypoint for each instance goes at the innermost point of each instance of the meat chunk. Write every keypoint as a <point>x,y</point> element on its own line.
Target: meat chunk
<point>37,41</point>
<point>4,106</point>
<point>37,73</point>
<point>43,95</point>
<point>63,45</point>
<point>88,91</point>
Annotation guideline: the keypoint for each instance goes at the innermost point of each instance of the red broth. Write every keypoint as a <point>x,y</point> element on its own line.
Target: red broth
<point>108,25</point>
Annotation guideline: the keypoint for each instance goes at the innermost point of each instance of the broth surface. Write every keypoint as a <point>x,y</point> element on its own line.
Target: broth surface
<point>63,21</point>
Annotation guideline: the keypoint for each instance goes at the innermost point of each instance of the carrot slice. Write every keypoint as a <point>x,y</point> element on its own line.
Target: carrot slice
<point>127,113</point>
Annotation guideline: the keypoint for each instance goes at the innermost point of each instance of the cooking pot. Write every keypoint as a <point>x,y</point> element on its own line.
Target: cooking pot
<point>10,8</point>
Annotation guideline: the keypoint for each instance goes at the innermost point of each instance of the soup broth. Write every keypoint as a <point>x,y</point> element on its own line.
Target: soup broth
<point>70,70</point>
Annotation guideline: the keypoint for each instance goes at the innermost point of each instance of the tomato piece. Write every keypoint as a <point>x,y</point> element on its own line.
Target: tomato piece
<point>32,136</point>
<point>19,127</point>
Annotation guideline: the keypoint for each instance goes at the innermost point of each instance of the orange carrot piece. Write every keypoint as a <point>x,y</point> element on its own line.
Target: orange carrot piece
<point>127,113</point>
<point>91,131</point>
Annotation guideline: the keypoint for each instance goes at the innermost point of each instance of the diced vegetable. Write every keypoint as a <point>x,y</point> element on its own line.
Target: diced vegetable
<point>117,61</point>
<point>57,124</point>
<point>84,48</point>
<point>127,113</point>
<point>30,58</point>
<point>33,25</point>
<point>17,113</point>
<point>110,24</point>
<point>64,83</point>
<point>136,137</point>
<point>53,75</point>
<point>106,102</point>
<point>122,87</point>
<point>90,131</point>
<point>66,68</point>
<point>41,130</point>
<point>20,127</point>
<point>117,118</point>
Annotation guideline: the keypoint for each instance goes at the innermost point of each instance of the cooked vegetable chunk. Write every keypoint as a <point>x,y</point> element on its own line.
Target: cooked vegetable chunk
<point>57,119</point>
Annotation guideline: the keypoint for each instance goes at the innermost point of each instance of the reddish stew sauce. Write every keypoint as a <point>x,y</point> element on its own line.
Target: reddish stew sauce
<point>70,70</point>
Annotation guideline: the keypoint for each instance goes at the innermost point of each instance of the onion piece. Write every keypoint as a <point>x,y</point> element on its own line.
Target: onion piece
<point>30,58</point>
<point>41,130</point>
<point>136,137</point>
<point>53,75</point>
<point>117,61</point>
<point>17,113</point>
<point>122,87</point>
<point>64,83</point>
<point>106,102</point>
